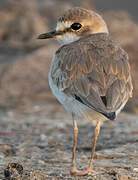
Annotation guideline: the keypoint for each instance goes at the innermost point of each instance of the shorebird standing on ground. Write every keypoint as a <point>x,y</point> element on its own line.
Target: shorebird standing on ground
<point>89,74</point>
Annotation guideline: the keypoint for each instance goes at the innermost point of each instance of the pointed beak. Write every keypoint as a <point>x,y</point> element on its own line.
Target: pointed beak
<point>50,34</point>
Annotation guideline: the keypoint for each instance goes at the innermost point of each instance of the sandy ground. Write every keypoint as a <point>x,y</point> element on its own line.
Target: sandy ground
<point>40,140</point>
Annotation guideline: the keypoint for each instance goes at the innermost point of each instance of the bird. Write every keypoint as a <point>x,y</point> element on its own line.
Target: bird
<point>90,73</point>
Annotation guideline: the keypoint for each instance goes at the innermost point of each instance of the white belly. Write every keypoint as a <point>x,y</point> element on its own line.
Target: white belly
<point>68,102</point>
<point>73,106</point>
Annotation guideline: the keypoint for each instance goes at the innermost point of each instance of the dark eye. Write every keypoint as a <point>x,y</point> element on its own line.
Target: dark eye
<point>76,26</point>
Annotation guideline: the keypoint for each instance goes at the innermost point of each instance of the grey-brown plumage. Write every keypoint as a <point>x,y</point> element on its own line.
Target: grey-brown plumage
<point>94,70</point>
<point>75,14</point>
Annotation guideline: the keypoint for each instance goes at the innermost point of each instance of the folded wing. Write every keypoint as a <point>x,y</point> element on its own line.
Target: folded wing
<point>96,72</point>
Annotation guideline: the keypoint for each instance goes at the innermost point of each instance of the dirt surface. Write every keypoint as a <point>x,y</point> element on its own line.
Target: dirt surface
<point>25,60</point>
<point>36,140</point>
<point>40,140</point>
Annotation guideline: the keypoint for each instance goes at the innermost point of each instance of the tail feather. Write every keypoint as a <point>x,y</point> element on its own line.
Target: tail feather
<point>110,115</point>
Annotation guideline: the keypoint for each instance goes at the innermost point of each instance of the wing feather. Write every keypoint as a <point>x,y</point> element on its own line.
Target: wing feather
<point>96,70</point>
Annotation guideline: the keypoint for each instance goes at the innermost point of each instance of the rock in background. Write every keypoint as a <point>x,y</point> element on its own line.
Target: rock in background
<point>25,61</point>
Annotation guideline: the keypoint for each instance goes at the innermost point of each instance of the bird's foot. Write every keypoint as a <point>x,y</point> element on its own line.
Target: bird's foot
<point>83,173</point>
<point>75,171</point>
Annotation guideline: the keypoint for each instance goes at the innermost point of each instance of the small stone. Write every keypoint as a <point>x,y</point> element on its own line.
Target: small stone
<point>43,137</point>
<point>13,170</point>
<point>37,175</point>
<point>65,159</point>
<point>59,152</point>
<point>135,169</point>
<point>41,162</point>
<point>8,150</point>
<point>84,157</point>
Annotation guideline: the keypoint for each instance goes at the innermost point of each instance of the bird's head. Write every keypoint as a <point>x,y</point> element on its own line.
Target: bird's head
<point>76,23</point>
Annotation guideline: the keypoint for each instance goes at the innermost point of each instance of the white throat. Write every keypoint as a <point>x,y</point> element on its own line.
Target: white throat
<point>67,38</point>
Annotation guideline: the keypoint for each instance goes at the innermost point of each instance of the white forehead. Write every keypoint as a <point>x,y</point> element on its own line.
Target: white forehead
<point>63,25</point>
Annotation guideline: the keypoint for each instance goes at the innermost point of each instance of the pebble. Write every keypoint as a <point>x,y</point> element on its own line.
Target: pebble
<point>43,137</point>
<point>135,170</point>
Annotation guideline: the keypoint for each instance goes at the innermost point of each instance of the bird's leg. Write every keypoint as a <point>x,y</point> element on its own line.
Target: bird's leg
<point>96,134</point>
<point>74,170</point>
<point>90,168</point>
<point>75,135</point>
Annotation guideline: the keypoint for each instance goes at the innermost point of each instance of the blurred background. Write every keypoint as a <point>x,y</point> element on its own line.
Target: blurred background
<point>35,130</point>
<point>25,61</point>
